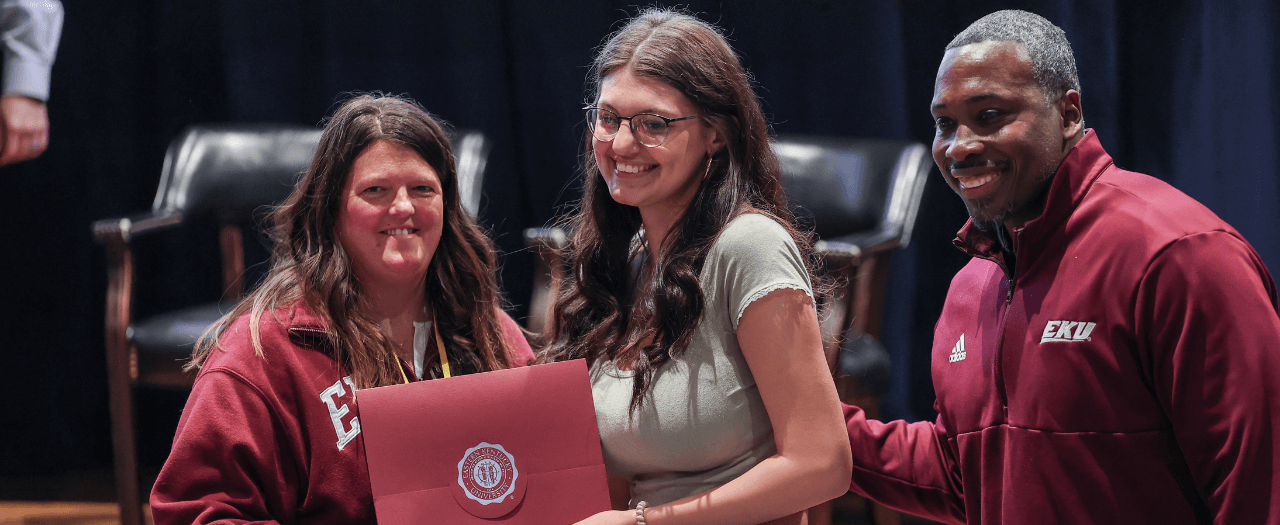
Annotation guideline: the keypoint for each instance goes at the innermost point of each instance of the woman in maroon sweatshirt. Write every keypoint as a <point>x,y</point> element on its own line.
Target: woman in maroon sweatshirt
<point>378,277</point>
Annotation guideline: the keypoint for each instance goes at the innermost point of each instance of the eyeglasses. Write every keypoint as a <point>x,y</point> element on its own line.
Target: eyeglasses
<point>649,129</point>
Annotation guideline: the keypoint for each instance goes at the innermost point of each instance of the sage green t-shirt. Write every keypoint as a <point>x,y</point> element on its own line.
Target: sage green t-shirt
<point>702,422</point>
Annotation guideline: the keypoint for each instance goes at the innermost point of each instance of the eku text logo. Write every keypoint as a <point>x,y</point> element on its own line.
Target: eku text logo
<point>1066,331</point>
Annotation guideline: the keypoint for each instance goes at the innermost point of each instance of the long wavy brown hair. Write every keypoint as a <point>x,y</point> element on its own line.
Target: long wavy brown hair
<point>309,264</point>
<point>603,313</point>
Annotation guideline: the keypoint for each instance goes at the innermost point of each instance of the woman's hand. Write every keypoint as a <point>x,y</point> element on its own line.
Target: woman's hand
<point>611,517</point>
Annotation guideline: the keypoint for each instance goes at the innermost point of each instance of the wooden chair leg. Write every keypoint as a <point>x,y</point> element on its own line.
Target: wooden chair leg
<point>124,445</point>
<point>122,371</point>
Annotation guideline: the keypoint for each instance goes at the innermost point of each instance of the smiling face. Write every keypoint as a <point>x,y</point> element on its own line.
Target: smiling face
<point>661,181</point>
<point>998,140</point>
<point>391,216</point>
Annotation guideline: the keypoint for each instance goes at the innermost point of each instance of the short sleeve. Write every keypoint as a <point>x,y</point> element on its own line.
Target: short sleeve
<point>754,256</point>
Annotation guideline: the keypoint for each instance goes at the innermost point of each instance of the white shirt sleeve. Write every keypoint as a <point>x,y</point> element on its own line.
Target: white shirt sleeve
<point>29,32</point>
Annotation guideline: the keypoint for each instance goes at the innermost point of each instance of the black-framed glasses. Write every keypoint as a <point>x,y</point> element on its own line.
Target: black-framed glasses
<point>649,129</point>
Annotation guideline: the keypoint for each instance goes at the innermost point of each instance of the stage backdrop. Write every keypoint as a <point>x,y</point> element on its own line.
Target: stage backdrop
<point>1183,91</point>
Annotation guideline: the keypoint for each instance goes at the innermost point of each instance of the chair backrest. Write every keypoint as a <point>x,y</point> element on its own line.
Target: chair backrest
<point>231,170</point>
<point>862,196</point>
<point>860,191</point>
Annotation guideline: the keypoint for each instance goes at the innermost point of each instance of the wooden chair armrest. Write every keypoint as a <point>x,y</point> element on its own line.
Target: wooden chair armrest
<point>887,237</point>
<point>836,251</point>
<point>115,234</point>
<point>124,228</point>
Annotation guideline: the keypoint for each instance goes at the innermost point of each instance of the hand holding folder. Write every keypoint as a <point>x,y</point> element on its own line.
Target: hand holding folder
<point>516,446</point>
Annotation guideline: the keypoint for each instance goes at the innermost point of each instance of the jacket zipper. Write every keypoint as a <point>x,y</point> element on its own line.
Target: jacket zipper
<point>1011,281</point>
<point>998,373</point>
<point>999,362</point>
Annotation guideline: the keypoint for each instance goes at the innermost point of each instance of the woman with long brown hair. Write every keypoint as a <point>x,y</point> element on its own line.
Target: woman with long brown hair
<point>689,293</point>
<point>378,276</point>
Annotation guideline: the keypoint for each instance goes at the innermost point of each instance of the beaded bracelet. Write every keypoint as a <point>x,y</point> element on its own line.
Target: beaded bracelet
<point>640,512</point>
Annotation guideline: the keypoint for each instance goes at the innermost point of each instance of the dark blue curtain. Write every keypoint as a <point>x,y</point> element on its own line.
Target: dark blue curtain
<point>1183,91</point>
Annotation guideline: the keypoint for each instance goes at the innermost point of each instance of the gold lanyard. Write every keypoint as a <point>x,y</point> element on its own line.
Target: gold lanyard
<point>444,358</point>
<point>401,367</point>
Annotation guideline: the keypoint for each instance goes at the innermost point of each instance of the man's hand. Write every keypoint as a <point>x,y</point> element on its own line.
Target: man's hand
<point>25,129</point>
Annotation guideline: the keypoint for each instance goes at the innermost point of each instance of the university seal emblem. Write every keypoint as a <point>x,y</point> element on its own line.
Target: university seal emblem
<point>489,481</point>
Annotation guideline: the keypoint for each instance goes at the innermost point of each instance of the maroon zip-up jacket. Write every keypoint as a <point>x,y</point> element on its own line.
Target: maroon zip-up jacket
<point>276,438</point>
<point>1126,371</point>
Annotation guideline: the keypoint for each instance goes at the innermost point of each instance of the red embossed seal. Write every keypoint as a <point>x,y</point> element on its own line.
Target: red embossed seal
<point>489,482</point>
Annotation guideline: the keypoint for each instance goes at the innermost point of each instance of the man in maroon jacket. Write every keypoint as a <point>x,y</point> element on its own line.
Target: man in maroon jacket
<point>1111,354</point>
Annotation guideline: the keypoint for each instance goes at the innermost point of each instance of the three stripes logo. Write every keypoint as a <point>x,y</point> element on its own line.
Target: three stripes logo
<point>1066,331</point>
<point>957,353</point>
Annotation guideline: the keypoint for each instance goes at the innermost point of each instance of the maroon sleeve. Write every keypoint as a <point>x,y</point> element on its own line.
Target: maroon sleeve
<point>221,467</point>
<point>904,466</point>
<point>518,349</point>
<point>1206,312</point>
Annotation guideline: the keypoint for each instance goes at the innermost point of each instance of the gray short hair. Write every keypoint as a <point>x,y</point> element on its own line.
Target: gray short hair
<point>1052,62</point>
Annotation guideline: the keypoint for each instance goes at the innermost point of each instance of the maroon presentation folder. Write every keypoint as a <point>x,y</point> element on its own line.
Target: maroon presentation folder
<point>513,446</point>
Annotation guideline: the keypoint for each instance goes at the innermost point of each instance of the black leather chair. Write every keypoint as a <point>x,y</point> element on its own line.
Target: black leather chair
<point>861,196</point>
<point>227,172</point>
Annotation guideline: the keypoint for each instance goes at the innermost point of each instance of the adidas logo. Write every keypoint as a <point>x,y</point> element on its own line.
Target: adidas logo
<point>1066,331</point>
<point>957,353</point>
